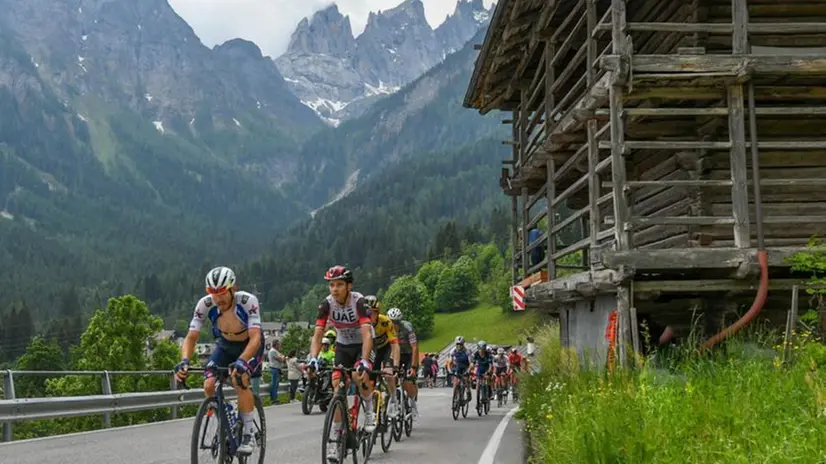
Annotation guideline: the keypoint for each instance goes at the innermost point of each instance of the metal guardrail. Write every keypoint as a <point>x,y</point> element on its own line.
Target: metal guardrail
<point>14,409</point>
<point>21,409</point>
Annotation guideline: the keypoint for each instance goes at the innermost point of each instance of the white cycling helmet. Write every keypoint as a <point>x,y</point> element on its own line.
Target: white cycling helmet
<point>220,279</point>
<point>325,341</point>
<point>395,314</point>
<point>500,351</point>
<point>460,340</point>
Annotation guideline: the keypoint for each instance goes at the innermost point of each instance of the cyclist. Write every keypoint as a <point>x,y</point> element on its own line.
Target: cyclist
<point>238,343</point>
<point>354,337</point>
<point>326,353</point>
<point>515,359</point>
<point>501,368</point>
<point>388,352</point>
<point>409,348</point>
<point>481,362</point>
<point>459,364</point>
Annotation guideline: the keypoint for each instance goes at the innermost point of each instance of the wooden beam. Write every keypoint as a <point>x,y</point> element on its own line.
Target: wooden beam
<point>722,64</point>
<point>576,287</point>
<point>711,285</point>
<point>686,259</point>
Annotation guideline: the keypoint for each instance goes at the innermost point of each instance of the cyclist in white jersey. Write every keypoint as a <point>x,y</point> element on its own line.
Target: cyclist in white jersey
<point>236,326</point>
<point>347,310</point>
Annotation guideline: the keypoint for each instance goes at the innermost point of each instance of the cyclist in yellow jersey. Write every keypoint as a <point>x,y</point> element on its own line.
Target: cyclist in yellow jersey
<point>386,344</point>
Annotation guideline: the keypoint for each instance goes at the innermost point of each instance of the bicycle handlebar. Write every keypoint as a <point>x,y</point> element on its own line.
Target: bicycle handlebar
<point>220,377</point>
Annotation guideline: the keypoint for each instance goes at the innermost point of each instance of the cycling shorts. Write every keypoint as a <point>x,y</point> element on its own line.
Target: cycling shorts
<point>383,357</point>
<point>227,353</point>
<point>482,369</point>
<point>348,356</point>
<point>501,370</point>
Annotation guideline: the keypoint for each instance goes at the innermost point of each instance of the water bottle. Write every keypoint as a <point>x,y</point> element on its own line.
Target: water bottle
<point>232,415</point>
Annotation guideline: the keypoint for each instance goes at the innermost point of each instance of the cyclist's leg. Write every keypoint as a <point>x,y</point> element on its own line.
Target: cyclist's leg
<point>218,358</point>
<point>410,383</point>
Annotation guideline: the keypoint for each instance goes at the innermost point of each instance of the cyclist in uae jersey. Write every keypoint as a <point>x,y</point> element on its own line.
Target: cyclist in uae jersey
<point>236,325</point>
<point>347,311</point>
<point>409,347</point>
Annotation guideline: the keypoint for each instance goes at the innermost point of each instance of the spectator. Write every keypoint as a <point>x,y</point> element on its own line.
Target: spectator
<point>276,359</point>
<point>293,373</point>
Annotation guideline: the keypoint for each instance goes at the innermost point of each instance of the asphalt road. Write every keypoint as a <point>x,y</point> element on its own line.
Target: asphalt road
<point>292,438</point>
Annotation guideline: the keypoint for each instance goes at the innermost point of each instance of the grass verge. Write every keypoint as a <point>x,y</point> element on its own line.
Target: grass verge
<point>741,407</point>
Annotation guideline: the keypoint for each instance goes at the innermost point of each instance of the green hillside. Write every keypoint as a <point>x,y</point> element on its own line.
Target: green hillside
<point>482,322</point>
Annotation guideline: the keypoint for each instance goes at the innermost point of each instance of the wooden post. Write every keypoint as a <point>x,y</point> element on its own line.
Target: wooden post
<point>591,54</point>
<point>593,184</point>
<point>514,238</point>
<point>550,194</point>
<point>550,78</point>
<point>526,218</point>
<point>624,323</point>
<point>618,172</point>
<point>737,132</point>
<point>564,338</point>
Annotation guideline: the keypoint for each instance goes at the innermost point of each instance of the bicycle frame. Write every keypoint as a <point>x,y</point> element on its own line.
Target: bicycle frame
<point>220,400</point>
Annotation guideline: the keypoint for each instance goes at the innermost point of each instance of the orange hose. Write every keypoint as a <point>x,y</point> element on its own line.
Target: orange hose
<point>759,301</point>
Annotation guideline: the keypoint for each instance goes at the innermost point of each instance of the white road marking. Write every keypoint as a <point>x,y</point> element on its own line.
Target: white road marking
<point>496,439</point>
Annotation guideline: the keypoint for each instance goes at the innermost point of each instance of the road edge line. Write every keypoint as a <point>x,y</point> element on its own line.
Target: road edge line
<point>489,453</point>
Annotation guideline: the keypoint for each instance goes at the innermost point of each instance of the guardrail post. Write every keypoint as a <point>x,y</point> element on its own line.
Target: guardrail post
<point>107,390</point>
<point>8,388</point>
<point>173,385</point>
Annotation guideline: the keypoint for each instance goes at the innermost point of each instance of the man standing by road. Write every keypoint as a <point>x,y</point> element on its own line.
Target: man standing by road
<point>275,359</point>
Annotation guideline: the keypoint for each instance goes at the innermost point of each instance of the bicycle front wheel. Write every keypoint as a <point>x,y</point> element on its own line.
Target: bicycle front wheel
<point>209,438</point>
<point>336,439</point>
<point>260,436</point>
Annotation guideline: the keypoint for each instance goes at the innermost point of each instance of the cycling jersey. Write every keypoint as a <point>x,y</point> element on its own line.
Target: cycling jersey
<point>226,352</point>
<point>515,359</point>
<point>407,337</point>
<point>246,310</point>
<point>327,356</point>
<point>460,358</point>
<point>347,318</point>
<point>384,332</point>
<point>500,361</point>
<point>482,362</point>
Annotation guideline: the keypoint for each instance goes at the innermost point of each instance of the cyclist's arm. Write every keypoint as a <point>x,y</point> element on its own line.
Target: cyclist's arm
<point>188,346</point>
<point>366,329</point>
<point>320,325</point>
<point>254,326</point>
<point>198,318</point>
<point>415,344</point>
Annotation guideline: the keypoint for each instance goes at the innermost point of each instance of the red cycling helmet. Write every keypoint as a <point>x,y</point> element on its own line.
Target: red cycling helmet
<point>339,273</point>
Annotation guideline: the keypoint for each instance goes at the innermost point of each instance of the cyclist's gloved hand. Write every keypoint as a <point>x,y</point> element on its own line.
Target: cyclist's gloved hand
<point>181,370</point>
<point>241,366</point>
<point>364,365</point>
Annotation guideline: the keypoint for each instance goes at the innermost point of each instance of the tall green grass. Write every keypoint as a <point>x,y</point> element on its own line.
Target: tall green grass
<point>743,406</point>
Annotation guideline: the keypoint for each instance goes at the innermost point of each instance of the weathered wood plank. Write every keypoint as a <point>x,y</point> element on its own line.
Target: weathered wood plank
<point>710,285</point>
<point>737,160</point>
<point>724,64</point>
<point>576,286</point>
<point>696,258</point>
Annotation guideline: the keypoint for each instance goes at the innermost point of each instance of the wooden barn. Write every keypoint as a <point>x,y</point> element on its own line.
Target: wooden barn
<point>673,140</point>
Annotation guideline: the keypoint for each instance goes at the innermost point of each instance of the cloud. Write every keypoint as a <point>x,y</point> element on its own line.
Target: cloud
<point>269,23</point>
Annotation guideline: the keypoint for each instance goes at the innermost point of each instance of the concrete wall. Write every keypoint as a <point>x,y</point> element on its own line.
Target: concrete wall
<point>582,327</point>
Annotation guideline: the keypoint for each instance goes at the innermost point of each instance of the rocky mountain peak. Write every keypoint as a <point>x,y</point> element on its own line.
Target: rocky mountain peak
<point>327,32</point>
<point>339,77</point>
<point>240,48</point>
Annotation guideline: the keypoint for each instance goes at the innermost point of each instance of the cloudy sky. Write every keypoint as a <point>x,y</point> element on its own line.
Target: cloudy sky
<point>269,23</point>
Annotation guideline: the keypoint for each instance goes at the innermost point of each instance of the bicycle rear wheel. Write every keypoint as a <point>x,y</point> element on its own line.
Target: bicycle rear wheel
<point>457,402</point>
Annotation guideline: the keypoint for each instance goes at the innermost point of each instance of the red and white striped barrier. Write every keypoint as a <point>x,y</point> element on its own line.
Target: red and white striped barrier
<point>518,294</point>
